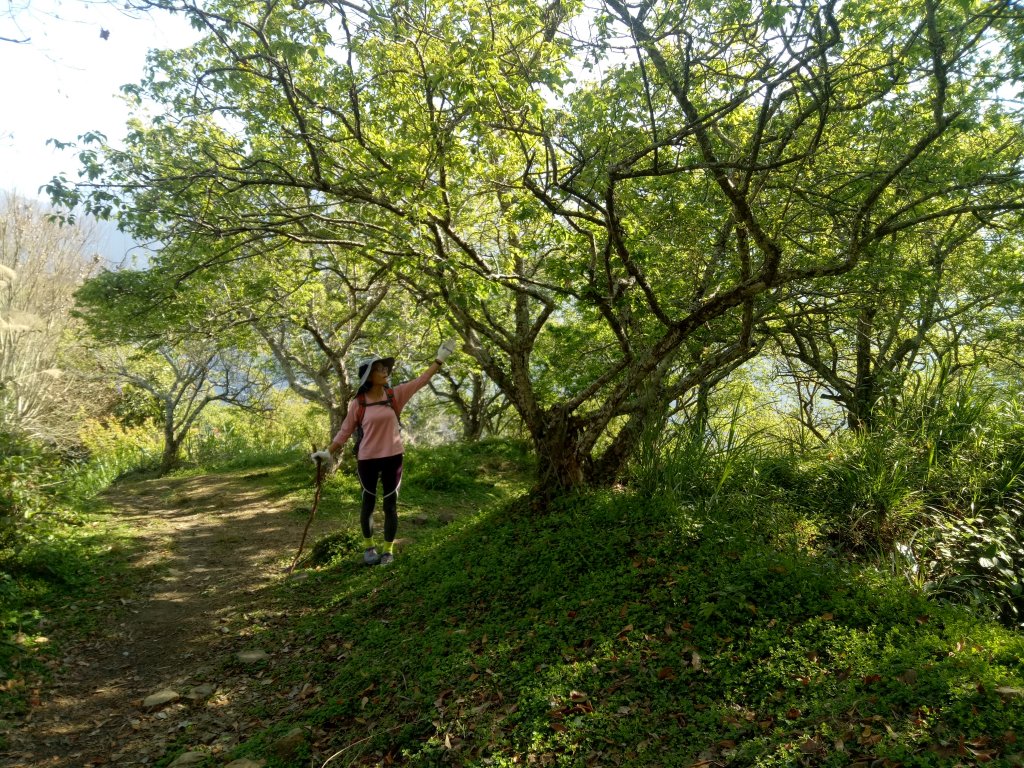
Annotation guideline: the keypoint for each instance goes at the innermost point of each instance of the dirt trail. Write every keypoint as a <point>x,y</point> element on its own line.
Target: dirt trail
<point>211,547</point>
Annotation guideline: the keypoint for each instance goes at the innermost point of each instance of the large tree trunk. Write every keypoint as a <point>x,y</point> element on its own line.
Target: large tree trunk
<point>337,414</point>
<point>861,409</point>
<point>607,469</point>
<point>473,416</point>
<point>560,461</point>
<point>861,414</point>
<point>172,450</point>
<point>472,428</point>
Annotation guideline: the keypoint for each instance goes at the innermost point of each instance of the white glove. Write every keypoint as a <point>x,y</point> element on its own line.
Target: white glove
<point>324,456</point>
<point>445,350</point>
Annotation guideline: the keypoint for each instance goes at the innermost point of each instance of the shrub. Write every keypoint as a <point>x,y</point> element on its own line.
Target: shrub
<point>26,471</point>
<point>225,435</point>
<point>112,449</point>
<point>40,492</point>
<point>977,559</point>
<point>332,547</point>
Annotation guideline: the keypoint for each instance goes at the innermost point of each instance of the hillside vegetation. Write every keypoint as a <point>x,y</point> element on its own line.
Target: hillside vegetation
<point>624,629</point>
<point>618,627</point>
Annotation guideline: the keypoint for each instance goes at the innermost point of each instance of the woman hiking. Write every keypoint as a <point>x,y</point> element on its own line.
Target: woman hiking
<point>373,417</point>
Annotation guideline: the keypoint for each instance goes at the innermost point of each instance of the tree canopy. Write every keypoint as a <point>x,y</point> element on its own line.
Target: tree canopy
<point>611,205</point>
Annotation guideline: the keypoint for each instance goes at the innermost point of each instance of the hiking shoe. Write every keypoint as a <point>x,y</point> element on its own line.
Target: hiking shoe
<point>387,558</point>
<point>370,556</point>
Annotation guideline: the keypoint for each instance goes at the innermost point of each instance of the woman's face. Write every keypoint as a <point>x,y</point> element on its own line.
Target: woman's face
<point>379,374</point>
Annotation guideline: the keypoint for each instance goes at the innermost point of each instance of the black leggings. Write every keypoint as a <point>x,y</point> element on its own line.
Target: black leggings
<point>389,471</point>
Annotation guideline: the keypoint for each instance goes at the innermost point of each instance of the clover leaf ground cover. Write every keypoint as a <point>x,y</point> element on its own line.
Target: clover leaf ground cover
<point>618,630</point>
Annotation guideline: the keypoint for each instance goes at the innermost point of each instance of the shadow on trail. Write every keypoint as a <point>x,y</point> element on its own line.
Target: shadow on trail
<point>206,551</point>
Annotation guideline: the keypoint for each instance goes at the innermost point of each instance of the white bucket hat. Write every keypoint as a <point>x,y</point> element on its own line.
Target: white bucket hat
<point>366,365</point>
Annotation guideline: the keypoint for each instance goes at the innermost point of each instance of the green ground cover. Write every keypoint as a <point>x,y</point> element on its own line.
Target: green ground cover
<point>618,627</point>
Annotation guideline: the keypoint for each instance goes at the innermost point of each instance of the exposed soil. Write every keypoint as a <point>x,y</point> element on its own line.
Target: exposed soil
<point>210,548</point>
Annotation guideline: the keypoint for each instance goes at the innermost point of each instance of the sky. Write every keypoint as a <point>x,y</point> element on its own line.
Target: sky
<point>65,80</point>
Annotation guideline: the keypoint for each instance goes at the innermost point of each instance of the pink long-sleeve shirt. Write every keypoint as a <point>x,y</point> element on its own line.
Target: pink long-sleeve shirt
<point>382,435</point>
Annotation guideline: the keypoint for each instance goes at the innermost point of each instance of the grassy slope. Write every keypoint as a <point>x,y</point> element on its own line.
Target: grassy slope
<point>614,630</point>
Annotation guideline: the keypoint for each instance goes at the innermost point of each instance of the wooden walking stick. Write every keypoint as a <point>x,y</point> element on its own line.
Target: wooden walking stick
<point>321,470</point>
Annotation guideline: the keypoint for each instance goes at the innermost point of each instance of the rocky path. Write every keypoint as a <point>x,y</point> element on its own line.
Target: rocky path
<point>154,677</point>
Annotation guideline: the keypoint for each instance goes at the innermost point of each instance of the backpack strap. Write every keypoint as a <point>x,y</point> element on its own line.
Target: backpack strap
<point>361,399</point>
<point>391,401</point>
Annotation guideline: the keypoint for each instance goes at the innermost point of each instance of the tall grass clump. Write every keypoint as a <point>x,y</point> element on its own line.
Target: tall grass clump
<point>733,471</point>
<point>934,490</point>
<point>931,446</point>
